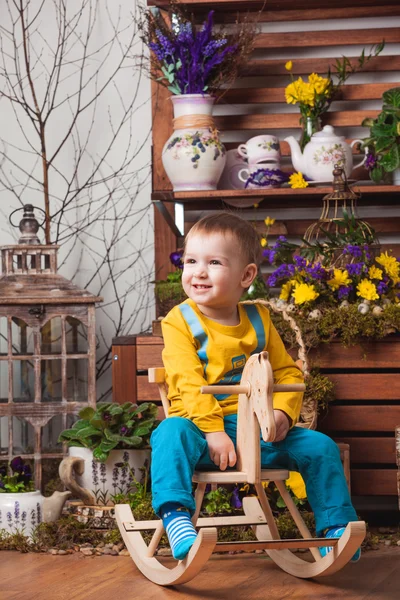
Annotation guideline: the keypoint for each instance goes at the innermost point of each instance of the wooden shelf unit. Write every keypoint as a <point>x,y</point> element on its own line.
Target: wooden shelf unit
<point>252,105</point>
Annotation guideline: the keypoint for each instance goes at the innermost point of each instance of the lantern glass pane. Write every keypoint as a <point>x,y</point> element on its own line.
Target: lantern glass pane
<point>23,381</point>
<point>50,433</point>
<point>51,336</point>
<point>3,337</point>
<point>3,435</point>
<point>23,437</point>
<point>22,337</point>
<point>76,336</point>
<point>77,380</point>
<point>51,382</point>
<point>3,381</point>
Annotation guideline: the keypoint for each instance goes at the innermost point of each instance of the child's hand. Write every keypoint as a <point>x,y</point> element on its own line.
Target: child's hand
<point>282,425</point>
<point>221,449</point>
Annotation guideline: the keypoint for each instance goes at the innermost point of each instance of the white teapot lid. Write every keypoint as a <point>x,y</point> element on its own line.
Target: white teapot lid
<point>326,135</point>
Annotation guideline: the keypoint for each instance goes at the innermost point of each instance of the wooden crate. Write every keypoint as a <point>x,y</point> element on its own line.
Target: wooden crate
<point>365,413</point>
<point>366,410</point>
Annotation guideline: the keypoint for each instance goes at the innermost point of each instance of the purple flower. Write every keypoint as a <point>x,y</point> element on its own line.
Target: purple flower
<point>370,162</point>
<point>269,254</point>
<point>282,272</point>
<point>315,271</point>
<point>300,262</point>
<point>123,430</point>
<point>355,269</point>
<point>176,259</point>
<point>344,292</point>
<point>17,464</point>
<point>382,287</point>
<point>355,251</point>
<point>235,499</point>
<point>107,416</point>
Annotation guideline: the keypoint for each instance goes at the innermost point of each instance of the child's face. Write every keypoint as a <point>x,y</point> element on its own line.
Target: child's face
<point>215,273</point>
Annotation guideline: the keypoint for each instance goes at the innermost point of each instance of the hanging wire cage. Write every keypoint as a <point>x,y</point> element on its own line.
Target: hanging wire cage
<point>339,225</point>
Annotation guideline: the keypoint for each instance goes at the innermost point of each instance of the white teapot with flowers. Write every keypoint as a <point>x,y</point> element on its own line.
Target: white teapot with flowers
<point>324,150</point>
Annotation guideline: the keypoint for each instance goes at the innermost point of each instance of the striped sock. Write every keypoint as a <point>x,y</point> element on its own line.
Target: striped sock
<point>179,528</point>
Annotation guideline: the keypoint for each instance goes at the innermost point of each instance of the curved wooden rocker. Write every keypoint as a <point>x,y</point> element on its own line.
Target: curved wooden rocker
<point>255,413</point>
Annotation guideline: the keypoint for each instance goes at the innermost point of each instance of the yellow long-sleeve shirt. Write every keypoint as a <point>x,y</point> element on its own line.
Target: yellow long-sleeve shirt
<point>199,351</point>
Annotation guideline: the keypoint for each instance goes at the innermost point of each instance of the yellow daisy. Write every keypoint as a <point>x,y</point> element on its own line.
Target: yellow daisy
<point>366,289</point>
<point>340,278</point>
<point>304,292</point>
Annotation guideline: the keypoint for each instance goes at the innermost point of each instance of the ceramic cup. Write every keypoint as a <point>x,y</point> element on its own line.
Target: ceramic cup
<point>261,177</point>
<point>260,148</point>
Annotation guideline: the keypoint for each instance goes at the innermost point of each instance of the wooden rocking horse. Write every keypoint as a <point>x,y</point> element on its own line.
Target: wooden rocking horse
<point>255,413</point>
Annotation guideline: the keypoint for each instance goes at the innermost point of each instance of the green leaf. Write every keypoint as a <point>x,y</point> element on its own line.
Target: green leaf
<point>106,445</point>
<point>383,142</point>
<point>79,425</point>
<point>391,160</point>
<point>392,97</point>
<point>100,455</point>
<point>141,430</point>
<point>175,89</point>
<point>133,440</point>
<point>68,434</point>
<point>112,437</point>
<point>376,174</point>
<point>87,413</point>
<point>115,409</point>
<point>88,432</point>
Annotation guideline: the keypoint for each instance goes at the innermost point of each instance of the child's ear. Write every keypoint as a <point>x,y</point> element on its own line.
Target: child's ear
<point>249,275</point>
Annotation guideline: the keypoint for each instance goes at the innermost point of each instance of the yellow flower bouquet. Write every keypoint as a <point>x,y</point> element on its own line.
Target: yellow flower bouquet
<point>315,95</point>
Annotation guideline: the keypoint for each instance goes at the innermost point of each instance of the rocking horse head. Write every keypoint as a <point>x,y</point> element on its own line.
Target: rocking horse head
<point>258,375</point>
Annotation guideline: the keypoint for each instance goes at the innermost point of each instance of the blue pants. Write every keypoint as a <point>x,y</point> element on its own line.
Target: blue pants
<point>179,447</point>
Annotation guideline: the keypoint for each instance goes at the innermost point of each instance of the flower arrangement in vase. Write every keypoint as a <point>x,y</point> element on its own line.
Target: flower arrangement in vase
<point>105,444</point>
<point>315,96</point>
<point>22,507</point>
<point>194,63</point>
<point>169,291</point>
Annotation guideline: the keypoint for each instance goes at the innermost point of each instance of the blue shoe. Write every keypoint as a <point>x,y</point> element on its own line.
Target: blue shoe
<point>335,532</point>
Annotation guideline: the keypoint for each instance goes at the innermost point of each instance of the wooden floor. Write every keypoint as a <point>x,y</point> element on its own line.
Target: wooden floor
<point>249,577</point>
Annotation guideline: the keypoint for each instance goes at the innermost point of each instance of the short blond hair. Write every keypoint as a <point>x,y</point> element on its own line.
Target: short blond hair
<point>226,222</point>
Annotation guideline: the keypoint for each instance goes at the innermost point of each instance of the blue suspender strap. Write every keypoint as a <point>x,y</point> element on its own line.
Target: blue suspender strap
<point>197,331</point>
<point>258,326</point>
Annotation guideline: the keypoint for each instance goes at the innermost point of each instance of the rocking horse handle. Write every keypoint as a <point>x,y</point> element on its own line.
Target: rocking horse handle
<point>246,388</point>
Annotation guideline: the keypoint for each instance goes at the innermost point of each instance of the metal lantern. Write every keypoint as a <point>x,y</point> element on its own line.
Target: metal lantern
<point>47,349</point>
<point>342,200</point>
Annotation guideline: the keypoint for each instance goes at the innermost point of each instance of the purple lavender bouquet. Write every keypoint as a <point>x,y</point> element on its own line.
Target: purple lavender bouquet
<point>191,59</point>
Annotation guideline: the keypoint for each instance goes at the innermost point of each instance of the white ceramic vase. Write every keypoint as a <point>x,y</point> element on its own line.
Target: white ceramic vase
<point>193,157</point>
<point>102,481</point>
<point>396,176</point>
<point>21,512</point>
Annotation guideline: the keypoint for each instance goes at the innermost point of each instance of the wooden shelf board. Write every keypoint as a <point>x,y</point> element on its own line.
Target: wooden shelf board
<point>313,192</point>
<point>279,5</point>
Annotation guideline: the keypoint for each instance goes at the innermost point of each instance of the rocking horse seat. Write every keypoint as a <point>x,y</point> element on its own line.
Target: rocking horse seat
<point>233,476</point>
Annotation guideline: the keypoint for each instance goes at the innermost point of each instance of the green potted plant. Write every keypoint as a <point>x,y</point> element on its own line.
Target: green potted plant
<point>107,445</point>
<point>169,292</point>
<point>384,140</point>
<point>22,507</point>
